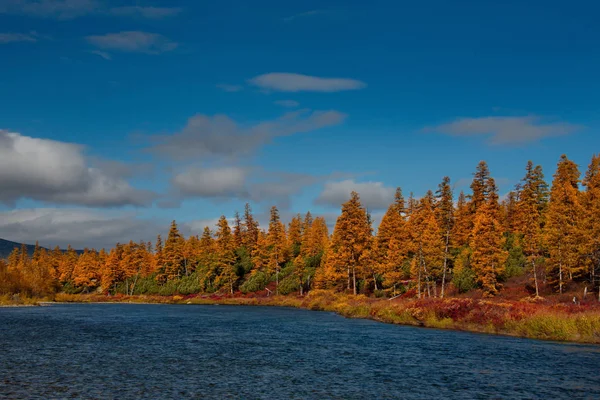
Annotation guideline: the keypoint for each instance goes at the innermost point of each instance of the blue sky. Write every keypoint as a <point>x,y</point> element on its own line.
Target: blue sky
<point>118,116</point>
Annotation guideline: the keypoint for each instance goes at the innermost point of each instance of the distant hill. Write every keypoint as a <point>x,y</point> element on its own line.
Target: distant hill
<point>6,247</point>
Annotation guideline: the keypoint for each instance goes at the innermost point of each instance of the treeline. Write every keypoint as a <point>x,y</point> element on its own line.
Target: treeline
<point>430,245</point>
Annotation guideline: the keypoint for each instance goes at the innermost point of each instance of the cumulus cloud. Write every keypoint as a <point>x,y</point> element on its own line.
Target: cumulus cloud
<point>133,42</point>
<point>18,37</point>
<point>211,182</point>
<point>287,103</point>
<point>79,227</point>
<point>219,135</point>
<point>145,12</point>
<point>505,130</point>
<point>373,195</point>
<point>230,88</point>
<point>289,82</point>
<point>58,172</point>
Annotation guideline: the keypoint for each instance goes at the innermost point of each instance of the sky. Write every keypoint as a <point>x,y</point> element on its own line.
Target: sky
<point>117,117</point>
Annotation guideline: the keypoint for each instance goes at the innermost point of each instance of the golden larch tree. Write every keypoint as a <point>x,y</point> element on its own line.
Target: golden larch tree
<point>563,231</point>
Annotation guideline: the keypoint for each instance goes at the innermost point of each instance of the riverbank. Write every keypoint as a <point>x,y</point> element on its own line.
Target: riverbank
<point>535,319</point>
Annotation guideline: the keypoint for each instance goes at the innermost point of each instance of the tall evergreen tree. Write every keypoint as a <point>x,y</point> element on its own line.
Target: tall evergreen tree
<point>487,242</point>
<point>444,208</point>
<point>173,253</point>
<point>563,227</point>
<point>529,214</point>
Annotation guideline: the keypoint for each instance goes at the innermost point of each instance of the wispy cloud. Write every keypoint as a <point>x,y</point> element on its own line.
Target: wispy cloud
<point>230,88</point>
<point>287,103</point>
<point>290,82</point>
<point>506,130</point>
<point>133,42</point>
<point>146,12</point>
<point>220,136</point>
<point>102,54</point>
<point>18,37</point>
<point>70,9</point>
<point>59,9</point>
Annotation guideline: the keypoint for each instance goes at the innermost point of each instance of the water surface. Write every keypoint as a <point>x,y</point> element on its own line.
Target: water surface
<point>130,351</point>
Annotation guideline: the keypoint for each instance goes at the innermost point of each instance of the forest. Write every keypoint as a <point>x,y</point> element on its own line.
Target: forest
<point>440,245</point>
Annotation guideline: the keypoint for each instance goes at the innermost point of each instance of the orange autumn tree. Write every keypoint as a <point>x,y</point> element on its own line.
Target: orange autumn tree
<point>294,236</point>
<point>225,247</point>
<point>173,254</point>
<point>563,228</point>
<point>250,230</point>
<point>426,245</point>
<point>529,218</point>
<point>591,222</point>
<point>444,211</point>
<point>487,241</point>
<point>390,242</point>
<point>351,238</point>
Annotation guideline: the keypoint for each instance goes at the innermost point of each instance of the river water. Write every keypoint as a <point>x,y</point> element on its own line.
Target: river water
<point>131,351</point>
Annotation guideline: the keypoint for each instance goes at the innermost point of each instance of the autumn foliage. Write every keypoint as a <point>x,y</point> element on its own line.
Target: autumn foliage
<point>545,236</point>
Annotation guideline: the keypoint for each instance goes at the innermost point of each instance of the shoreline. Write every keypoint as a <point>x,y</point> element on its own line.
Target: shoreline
<point>524,318</point>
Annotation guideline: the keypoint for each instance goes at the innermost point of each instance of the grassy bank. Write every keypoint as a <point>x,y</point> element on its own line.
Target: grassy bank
<point>540,319</point>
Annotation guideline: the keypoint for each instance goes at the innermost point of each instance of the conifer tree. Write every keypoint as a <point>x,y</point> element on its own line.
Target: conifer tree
<point>391,228</point>
<point>295,236</point>
<point>444,208</point>
<point>462,222</point>
<point>528,222</point>
<point>427,245</point>
<point>277,245</point>
<point>250,229</point>
<point>238,239</point>
<point>226,253</point>
<point>591,225</point>
<point>563,226</point>
<point>159,260</point>
<point>487,242</point>
<point>173,253</point>
<point>351,238</point>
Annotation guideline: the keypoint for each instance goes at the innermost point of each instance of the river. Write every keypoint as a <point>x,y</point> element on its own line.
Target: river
<point>131,351</point>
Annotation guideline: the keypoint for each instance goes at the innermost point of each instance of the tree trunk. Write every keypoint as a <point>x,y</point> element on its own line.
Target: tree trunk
<point>354,279</point>
<point>445,263</point>
<point>537,290</point>
<point>348,288</point>
<point>375,281</point>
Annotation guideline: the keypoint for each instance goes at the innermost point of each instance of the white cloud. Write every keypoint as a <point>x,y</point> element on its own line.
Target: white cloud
<point>58,172</point>
<point>102,54</point>
<point>78,227</point>
<point>289,82</point>
<point>505,130</point>
<point>287,103</point>
<point>145,12</point>
<point>133,42</point>
<point>373,195</point>
<point>18,37</point>
<point>211,182</point>
<point>220,136</point>
<point>230,88</point>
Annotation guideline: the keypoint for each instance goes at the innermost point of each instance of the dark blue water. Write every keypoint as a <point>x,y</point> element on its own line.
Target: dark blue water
<point>130,351</point>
